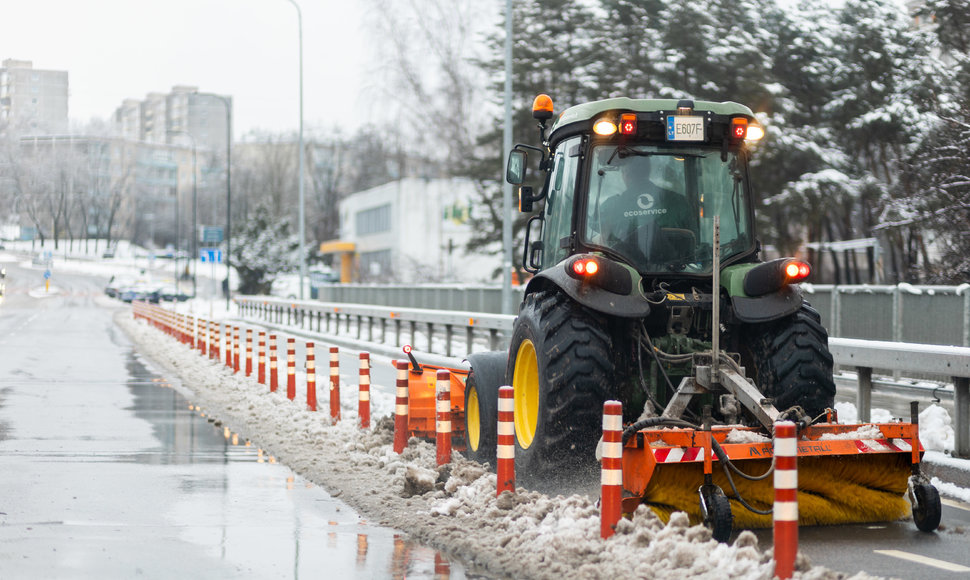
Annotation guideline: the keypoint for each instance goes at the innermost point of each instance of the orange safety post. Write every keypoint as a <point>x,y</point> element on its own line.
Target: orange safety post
<point>229,346</point>
<point>273,383</point>
<point>334,384</point>
<point>261,359</point>
<point>235,349</point>
<point>401,408</point>
<point>311,378</point>
<point>785,512</point>
<point>363,394</point>
<point>291,368</point>
<point>203,342</point>
<point>442,426</point>
<point>249,352</point>
<point>215,335</point>
<point>611,475</point>
<point>505,453</point>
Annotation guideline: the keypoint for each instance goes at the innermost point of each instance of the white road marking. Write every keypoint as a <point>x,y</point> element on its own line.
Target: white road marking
<point>941,564</point>
<point>955,504</point>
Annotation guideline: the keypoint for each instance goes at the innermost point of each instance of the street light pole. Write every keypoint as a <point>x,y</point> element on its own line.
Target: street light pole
<point>227,102</point>
<point>194,254</point>
<point>302,218</point>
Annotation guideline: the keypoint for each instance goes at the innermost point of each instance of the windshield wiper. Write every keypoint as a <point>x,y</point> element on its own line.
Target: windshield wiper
<point>625,152</point>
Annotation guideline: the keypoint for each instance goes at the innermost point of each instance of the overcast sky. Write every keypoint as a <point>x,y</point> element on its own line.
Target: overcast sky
<point>249,49</point>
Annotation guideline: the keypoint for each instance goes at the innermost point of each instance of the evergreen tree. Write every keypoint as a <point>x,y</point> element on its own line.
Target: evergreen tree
<point>262,248</point>
<point>939,168</point>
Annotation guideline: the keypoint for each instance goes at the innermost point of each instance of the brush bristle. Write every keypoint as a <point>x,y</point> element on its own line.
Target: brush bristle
<point>831,490</point>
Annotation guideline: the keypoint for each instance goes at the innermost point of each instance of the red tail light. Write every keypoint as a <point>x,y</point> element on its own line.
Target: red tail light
<point>586,267</point>
<point>796,271</point>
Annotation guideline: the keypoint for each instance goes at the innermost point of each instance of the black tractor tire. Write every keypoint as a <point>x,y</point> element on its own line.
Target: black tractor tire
<point>561,368</point>
<point>927,507</point>
<point>481,420</point>
<point>790,362</point>
<point>719,520</point>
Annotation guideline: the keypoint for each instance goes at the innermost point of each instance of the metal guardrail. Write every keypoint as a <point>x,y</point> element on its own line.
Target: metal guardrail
<point>901,313</point>
<point>376,323</point>
<point>493,331</point>
<point>902,357</point>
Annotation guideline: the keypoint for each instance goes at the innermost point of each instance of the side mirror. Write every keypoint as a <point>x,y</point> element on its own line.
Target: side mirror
<point>515,170</point>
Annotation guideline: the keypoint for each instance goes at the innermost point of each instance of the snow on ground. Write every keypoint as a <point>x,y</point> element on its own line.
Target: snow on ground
<point>454,509</point>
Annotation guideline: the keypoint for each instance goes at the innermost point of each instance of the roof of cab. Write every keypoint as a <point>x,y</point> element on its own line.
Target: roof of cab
<point>589,111</point>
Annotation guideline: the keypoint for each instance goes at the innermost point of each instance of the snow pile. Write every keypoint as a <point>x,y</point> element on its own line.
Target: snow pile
<point>863,432</point>
<point>454,507</point>
<point>935,429</point>
<point>849,414</point>
<point>745,436</point>
<point>935,426</point>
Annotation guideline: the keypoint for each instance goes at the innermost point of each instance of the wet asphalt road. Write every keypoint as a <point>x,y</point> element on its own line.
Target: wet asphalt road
<point>107,471</point>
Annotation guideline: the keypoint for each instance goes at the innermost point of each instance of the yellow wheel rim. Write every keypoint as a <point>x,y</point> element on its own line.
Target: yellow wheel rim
<point>473,418</point>
<point>525,382</point>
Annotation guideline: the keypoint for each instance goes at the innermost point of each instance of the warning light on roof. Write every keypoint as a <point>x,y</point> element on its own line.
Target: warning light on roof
<point>755,132</point>
<point>604,127</point>
<point>628,124</point>
<point>542,107</point>
<point>739,127</point>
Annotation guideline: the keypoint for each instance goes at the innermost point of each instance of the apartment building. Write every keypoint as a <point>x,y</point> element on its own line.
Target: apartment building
<point>165,118</point>
<point>33,100</point>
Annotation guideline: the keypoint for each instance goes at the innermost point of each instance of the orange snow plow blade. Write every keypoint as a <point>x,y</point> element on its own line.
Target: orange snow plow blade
<point>846,473</point>
<point>422,403</point>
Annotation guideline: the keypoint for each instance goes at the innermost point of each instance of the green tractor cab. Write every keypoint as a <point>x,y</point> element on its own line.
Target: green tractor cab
<point>627,283</point>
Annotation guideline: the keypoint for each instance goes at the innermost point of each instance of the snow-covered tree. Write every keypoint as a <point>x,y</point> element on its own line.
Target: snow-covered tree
<point>263,246</point>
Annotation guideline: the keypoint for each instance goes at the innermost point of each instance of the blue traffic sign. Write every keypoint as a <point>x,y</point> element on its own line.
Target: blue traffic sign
<point>213,255</point>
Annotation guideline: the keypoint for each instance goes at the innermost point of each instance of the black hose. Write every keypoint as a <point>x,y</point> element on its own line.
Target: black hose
<point>726,464</point>
<point>650,422</point>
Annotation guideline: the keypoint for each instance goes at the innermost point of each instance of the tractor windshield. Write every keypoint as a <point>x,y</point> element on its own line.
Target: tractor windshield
<point>654,206</point>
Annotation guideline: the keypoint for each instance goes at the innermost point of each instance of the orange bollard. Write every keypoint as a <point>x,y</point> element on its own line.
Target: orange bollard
<point>505,453</point>
<point>249,352</point>
<point>203,336</point>
<point>785,512</point>
<point>311,378</point>
<point>334,384</point>
<point>228,346</point>
<point>214,338</point>
<point>401,408</point>
<point>611,475</point>
<point>291,368</point>
<point>273,383</point>
<point>442,425</point>
<point>363,394</point>
<point>261,359</point>
<point>235,349</point>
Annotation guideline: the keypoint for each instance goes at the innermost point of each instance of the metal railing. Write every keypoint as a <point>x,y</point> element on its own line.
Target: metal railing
<point>438,329</point>
<point>901,313</point>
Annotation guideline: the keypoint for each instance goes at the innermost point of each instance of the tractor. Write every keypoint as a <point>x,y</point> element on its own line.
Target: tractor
<point>622,297</point>
<point>649,288</point>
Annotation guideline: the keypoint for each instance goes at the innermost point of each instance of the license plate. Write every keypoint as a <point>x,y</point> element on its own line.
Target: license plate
<point>684,128</point>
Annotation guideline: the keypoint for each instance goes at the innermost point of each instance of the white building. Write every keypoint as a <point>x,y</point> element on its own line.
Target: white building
<point>33,100</point>
<point>415,230</point>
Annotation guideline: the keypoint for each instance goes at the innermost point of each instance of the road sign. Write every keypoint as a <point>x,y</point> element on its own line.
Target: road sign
<point>210,234</point>
<point>47,274</point>
<point>213,255</point>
